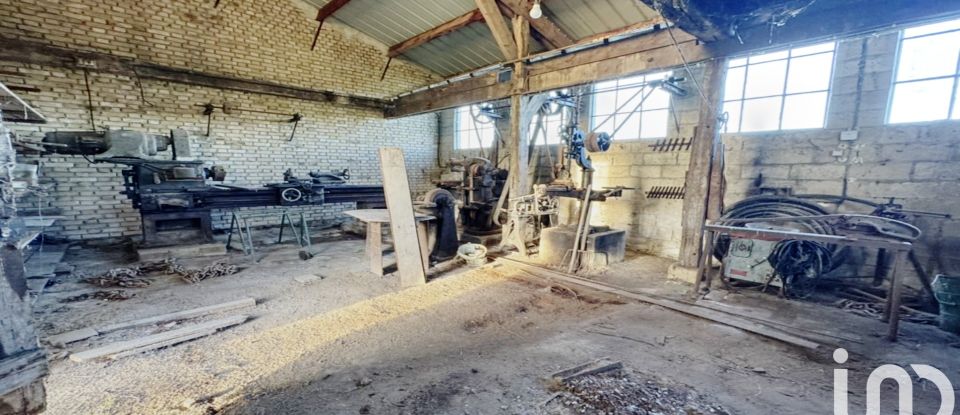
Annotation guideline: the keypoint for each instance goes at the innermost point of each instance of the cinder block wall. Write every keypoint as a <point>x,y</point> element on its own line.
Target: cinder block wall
<point>919,164</point>
<point>257,40</point>
<point>652,225</point>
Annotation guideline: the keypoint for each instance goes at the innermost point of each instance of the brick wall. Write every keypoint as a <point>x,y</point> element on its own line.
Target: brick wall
<point>919,164</point>
<point>250,39</point>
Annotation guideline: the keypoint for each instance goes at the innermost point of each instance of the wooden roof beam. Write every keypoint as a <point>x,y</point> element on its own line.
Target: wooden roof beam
<point>326,11</point>
<point>646,53</point>
<point>498,26</point>
<point>544,28</point>
<point>330,8</point>
<point>436,32</point>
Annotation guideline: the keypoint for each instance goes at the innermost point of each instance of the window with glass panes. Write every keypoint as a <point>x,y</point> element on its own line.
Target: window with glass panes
<point>470,132</point>
<point>617,104</point>
<point>782,90</point>
<point>551,127</point>
<point>926,83</point>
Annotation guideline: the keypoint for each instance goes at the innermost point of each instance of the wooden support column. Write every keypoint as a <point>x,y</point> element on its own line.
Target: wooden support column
<point>517,163</point>
<point>23,364</point>
<point>702,189</point>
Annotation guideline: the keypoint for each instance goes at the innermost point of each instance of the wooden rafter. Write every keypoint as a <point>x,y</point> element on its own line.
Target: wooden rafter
<point>544,28</point>
<point>326,11</point>
<point>501,32</point>
<point>436,32</point>
<point>330,8</point>
<point>646,53</point>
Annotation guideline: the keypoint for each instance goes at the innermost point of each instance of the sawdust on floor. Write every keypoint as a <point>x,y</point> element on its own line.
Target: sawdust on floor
<point>479,342</point>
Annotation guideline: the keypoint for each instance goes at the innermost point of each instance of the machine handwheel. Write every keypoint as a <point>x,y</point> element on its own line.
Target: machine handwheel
<point>291,195</point>
<point>598,142</point>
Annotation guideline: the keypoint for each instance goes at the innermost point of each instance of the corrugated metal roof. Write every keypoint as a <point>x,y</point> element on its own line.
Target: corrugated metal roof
<point>393,21</point>
<point>582,18</point>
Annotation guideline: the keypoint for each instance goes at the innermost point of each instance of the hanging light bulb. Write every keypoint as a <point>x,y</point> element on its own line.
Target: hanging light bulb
<point>536,11</point>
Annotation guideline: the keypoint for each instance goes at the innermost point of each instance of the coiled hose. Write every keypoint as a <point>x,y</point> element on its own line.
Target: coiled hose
<point>767,206</point>
<point>800,264</point>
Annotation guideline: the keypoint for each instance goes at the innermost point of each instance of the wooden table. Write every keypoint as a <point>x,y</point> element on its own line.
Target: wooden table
<point>375,219</point>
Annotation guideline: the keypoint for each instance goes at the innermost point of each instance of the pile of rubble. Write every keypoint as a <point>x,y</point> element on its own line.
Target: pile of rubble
<point>615,393</point>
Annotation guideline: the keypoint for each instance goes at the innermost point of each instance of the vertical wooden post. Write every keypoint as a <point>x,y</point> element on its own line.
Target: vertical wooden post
<point>403,225</point>
<point>22,363</point>
<point>374,247</point>
<point>518,146</point>
<point>701,192</point>
<point>893,298</point>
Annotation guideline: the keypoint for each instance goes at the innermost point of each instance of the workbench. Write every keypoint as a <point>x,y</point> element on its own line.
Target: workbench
<point>900,248</point>
<point>375,219</point>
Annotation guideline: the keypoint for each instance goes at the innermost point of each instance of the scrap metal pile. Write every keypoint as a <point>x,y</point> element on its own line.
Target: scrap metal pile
<point>136,276</point>
<point>193,276</point>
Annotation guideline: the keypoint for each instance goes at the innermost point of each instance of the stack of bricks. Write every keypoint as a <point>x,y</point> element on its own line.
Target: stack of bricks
<point>267,41</point>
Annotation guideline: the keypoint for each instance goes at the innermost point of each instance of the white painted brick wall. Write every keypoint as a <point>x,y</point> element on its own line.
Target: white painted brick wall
<point>261,40</point>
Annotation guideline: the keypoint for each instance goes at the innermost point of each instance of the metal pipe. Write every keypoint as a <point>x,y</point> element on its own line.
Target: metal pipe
<point>584,213</point>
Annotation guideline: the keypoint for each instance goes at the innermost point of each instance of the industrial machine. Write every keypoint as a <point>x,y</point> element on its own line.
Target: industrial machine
<point>478,185</point>
<point>747,259</point>
<point>174,197</point>
<point>796,267</point>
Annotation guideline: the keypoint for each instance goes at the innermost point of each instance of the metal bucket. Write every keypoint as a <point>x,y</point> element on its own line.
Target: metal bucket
<point>474,254</point>
<point>947,290</point>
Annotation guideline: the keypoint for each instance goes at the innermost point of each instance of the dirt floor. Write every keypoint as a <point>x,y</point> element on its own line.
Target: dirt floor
<point>472,341</point>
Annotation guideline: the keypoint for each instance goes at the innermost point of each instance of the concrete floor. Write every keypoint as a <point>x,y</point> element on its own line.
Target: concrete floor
<point>469,342</point>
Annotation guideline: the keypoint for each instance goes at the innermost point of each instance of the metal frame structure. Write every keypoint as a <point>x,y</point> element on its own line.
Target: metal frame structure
<point>900,248</point>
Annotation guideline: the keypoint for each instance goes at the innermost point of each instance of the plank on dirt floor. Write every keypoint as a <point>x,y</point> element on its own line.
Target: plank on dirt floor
<point>88,332</point>
<point>158,340</point>
<point>693,310</point>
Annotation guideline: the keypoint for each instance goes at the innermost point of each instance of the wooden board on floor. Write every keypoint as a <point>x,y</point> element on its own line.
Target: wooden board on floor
<point>41,270</point>
<point>693,310</point>
<point>182,251</point>
<point>85,333</point>
<point>403,225</point>
<point>50,253</point>
<point>156,341</point>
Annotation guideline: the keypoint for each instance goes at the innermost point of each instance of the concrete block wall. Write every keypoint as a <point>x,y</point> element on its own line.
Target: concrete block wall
<point>652,225</point>
<point>918,164</point>
<point>267,41</point>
